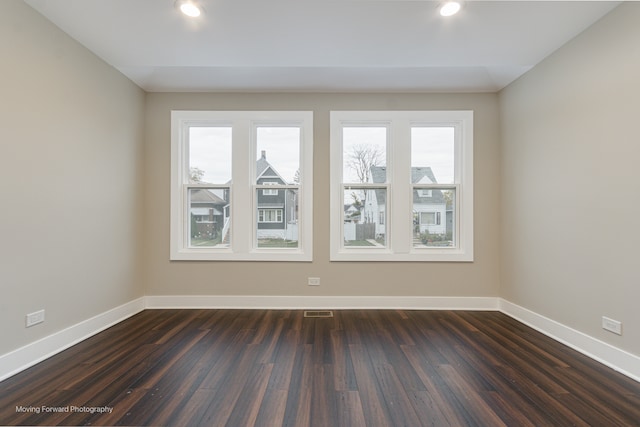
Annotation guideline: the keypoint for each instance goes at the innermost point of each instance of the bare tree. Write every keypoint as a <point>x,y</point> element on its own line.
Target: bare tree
<point>361,158</point>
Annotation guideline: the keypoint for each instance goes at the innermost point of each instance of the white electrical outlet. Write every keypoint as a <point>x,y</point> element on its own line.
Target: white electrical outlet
<point>313,281</point>
<point>612,325</point>
<point>35,318</point>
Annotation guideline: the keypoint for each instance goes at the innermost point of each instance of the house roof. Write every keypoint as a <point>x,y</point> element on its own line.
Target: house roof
<point>262,166</point>
<point>419,173</point>
<point>205,196</point>
<point>379,175</point>
<point>204,211</point>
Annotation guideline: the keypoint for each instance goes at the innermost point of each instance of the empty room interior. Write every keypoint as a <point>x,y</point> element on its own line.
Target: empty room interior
<point>319,213</point>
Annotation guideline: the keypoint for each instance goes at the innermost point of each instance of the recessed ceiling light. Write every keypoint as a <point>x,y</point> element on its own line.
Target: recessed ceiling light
<point>190,9</point>
<point>450,8</point>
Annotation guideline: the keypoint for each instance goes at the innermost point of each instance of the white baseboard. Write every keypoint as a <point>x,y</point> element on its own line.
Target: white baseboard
<point>613,357</point>
<point>324,302</point>
<point>27,356</point>
<point>24,357</point>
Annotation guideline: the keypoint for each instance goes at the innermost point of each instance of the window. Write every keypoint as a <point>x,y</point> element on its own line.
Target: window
<point>401,186</point>
<point>269,215</point>
<point>269,192</point>
<point>430,218</point>
<point>241,185</point>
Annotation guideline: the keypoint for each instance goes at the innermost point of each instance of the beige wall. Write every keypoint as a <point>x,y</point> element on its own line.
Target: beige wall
<point>84,181</point>
<point>70,173</point>
<point>571,182</point>
<point>163,277</point>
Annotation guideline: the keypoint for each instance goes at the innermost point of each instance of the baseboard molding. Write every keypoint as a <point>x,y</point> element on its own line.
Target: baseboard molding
<point>31,354</point>
<point>613,357</point>
<point>24,357</point>
<point>321,302</point>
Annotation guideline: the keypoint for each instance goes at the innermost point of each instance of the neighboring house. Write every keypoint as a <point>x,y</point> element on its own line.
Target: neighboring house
<point>277,209</point>
<point>375,203</point>
<point>430,212</point>
<point>429,206</point>
<point>209,214</point>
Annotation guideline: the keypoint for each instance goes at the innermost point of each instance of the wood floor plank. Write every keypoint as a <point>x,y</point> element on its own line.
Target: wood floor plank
<point>344,377</point>
<point>479,411</point>
<point>298,409</point>
<point>437,390</point>
<point>427,410</point>
<point>349,412</point>
<point>374,408</point>
<point>393,393</point>
<point>284,360</point>
<point>359,368</point>
<point>231,386</point>
<point>323,411</point>
<point>272,408</point>
<point>245,411</point>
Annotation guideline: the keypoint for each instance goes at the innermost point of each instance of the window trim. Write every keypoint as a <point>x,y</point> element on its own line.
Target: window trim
<point>399,187</point>
<point>278,215</point>
<point>243,186</point>
<point>269,191</point>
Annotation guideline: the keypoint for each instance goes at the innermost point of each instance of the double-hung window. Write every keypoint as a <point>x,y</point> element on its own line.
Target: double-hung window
<point>401,186</point>
<point>241,185</point>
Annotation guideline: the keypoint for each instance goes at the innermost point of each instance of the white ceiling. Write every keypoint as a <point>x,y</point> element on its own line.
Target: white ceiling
<point>322,45</point>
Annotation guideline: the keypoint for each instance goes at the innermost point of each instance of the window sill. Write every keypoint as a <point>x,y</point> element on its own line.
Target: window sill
<point>421,255</point>
<point>283,255</point>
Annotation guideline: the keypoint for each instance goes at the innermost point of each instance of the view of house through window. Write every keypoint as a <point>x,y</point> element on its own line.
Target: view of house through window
<point>433,163</point>
<point>364,153</point>
<point>402,185</point>
<point>209,193</point>
<point>277,179</point>
<point>237,185</point>
<point>364,174</point>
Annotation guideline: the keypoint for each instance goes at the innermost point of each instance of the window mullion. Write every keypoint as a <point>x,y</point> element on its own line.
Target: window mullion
<point>241,197</point>
<point>400,192</point>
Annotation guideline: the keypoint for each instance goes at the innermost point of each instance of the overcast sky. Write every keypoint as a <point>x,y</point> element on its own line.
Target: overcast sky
<point>430,147</point>
<point>210,151</point>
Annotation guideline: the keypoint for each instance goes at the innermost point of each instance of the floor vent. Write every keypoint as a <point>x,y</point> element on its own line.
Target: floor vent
<point>323,313</point>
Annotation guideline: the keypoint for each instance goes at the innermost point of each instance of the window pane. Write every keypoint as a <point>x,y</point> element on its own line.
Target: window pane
<point>277,218</point>
<point>278,155</point>
<point>364,154</point>
<point>364,217</point>
<point>432,155</point>
<point>209,213</point>
<point>210,155</point>
<point>434,218</point>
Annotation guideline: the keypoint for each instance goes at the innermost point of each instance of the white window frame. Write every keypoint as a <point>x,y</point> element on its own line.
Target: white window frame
<point>437,218</point>
<point>243,187</point>
<point>399,215</point>
<point>269,191</point>
<point>277,214</point>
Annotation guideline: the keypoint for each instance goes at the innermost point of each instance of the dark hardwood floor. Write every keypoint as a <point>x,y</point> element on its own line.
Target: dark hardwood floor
<point>359,368</point>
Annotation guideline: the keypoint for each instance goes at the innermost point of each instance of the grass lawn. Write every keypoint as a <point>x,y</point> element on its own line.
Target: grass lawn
<point>358,243</point>
<point>277,243</point>
<point>205,242</point>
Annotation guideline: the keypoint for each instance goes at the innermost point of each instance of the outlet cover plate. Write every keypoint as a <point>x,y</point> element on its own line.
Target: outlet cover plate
<point>34,318</point>
<point>612,325</point>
